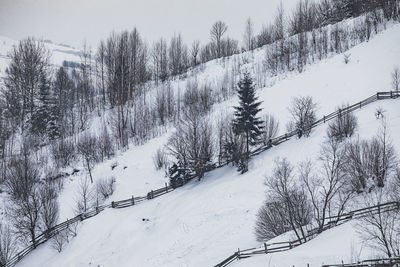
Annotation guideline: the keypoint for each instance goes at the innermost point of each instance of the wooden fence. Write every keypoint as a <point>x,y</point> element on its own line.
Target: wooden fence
<point>48,234</point>
<point>332,221</point>
<point>389,262</point>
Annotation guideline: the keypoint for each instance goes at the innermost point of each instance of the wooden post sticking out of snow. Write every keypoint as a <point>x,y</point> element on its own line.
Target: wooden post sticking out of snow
<point>133,200</point>
<point>266,248</point>
<point>166,187</point>
<point>112,204</point>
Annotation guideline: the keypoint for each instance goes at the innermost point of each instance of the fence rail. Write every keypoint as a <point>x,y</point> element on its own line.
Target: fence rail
<point>48,234</point>
<point>332,222</point>
<point>389,262</point>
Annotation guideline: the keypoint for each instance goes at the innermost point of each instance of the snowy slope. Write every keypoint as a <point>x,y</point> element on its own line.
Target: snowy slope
<point>59,53</point>
<point>203,222</point>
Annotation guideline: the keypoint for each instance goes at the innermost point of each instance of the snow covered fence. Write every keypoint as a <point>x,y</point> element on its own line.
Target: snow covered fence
<point>390,262</point>
<point>340,112</point>
<point>332,222</point>
<point>48,234</point>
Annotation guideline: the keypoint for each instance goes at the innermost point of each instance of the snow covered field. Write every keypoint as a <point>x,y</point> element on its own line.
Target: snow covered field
<point>203,222</point>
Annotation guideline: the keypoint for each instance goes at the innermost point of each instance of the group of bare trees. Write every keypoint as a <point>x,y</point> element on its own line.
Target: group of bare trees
<point>347,171</point>
<point>304,37</point>
<point>33,207</point>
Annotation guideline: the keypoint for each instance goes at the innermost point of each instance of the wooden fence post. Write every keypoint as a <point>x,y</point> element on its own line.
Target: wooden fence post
<point>133,200</point>
<point>324,119</point>
<point>152,194</point>
<point>112,204</point>
<point>360,105</point>
<point>166,187</point>
<point>266,248</point>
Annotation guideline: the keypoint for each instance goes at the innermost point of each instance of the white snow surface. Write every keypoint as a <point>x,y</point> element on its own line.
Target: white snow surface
<point>203,222</point>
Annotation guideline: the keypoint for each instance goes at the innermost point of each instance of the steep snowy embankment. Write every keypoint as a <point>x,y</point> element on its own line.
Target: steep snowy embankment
<point>203,222</point>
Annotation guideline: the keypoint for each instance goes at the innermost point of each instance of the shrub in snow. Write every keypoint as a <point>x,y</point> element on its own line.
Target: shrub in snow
<point>396,79</point>
<point>160,159</point>
<point>58,241</point>
<point>369,163</point>
<point>342,126</point>
<point>346,58</point>
<point>105,187</point>
<point>270,130</point>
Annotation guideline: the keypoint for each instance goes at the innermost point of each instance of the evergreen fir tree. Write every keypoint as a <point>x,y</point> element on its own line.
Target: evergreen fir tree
<point>177,175</point>
<point>246,121</point>
<point>53,121</point>
<point>41,108</point>
<point>45,115</point>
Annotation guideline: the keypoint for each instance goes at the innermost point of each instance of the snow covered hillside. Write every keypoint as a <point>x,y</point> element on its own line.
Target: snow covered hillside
<point>203,222</point>
<point>59,53</point>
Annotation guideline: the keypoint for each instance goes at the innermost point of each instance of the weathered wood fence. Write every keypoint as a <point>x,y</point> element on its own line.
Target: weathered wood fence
<point>48,234</point>
<point>333,221</point>
<point>389,262</point>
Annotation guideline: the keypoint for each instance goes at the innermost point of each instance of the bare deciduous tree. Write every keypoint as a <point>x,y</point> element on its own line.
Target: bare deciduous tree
<point>7,245</point>
<point>194,52</point>
<point>87,148</point>
<point>217,31</point>
<point>271,221</point>
<point>22,175</point>
<point>293,198</point>
<point>84,197</point>
<point>303,114</point>
<point>248,36</point>
<point>327,189</point>
<point>379,229</point>
<point>192,143</point>
<point>25,216</point>
<point>49,211</point>
<point>369,163</point>
<point>29,65</point>
<point>58,241</point>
